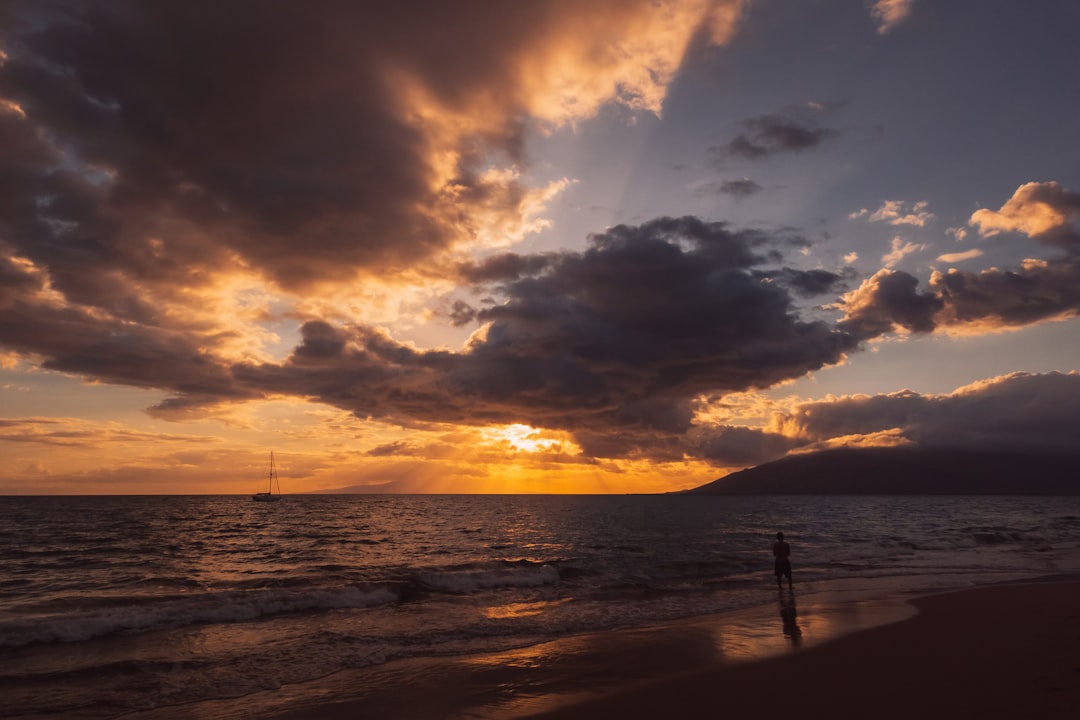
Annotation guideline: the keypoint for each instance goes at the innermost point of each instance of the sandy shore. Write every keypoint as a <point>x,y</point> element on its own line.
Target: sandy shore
<point>1008,651</point>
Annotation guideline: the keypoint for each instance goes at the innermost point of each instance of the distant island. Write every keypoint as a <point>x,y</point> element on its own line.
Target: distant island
<point>905,471</point>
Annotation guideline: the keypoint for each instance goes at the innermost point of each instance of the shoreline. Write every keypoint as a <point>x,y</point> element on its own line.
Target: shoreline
<point>998,651</point>
<point>846,652</point>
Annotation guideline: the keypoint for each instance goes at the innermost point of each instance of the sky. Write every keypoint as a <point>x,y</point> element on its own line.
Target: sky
<point>545,246</point>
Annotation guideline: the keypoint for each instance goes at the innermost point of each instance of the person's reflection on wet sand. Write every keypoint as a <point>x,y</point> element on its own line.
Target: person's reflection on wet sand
<point>789,615</point>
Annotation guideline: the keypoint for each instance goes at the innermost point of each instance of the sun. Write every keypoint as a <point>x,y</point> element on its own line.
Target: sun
<point>523,438</point>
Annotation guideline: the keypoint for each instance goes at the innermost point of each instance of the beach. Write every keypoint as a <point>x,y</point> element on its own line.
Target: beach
<point>1008,651</point>
<point>421,607</point>
<point>1004,651</point>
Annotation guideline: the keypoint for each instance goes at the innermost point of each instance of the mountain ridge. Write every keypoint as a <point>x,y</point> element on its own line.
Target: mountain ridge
<point>905,471</point>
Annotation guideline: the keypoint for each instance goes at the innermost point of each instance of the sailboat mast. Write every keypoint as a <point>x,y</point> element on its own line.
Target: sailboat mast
<point>269,495</point>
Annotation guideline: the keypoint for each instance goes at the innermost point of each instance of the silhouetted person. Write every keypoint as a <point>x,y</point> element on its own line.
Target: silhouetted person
<point>782,551</point>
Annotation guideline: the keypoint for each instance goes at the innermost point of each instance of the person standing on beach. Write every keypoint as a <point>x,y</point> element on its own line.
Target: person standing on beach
<point>782,552</point>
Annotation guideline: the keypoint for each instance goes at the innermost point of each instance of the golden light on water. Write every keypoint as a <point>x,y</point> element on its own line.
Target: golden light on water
<point>522,609</point>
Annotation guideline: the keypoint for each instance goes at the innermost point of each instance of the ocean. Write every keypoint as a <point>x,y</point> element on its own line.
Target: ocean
<point>115,604</point>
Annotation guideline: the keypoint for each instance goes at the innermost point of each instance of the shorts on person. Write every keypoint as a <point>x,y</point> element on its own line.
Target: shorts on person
<point>782,567</point>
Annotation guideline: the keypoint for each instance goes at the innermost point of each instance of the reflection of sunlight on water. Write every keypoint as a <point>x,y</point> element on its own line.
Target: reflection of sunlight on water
<point>767,632</point>
<point>538,678</point>
<point>522,609</point>
<point>751,637</point>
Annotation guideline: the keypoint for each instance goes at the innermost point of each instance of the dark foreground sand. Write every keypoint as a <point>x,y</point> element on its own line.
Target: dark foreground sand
<point>1008,651</point>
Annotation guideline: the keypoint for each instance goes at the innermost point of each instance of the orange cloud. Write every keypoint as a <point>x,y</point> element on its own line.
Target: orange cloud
<point>573,59</point>
<point>897,212</point>
<point>988,301</point>
<point>1035,208</point>
<point>960,256</point>
<point>1015,411</point>
<point>890,13</point>
<point>893,437</point>
<point>900,249</point>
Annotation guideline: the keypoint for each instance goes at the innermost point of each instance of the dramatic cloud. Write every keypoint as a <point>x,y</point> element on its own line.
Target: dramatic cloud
<point>612,344</point>
<point>192,195</point>
<point>82,342</point>
<point>745,447</point>
<point>808,283</point>
<point>1044,211</point>
<point>887,301</point>
<point>363,227</point>
<point>964,302</point>
<point>1021,411</point>
<point>996,299</point>
<point>786,132</point>
<point>165,142</point>
<point>992,299</point>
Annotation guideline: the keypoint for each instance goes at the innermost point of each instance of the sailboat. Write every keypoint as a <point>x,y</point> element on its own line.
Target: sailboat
<point>269,495</point>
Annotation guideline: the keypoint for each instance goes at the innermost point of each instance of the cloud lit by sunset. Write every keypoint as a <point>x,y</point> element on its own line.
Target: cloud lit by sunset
<point>614,246</point>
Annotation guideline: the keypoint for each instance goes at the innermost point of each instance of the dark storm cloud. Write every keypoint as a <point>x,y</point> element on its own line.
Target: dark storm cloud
<point>775,133</point>
<point>1009,298</point>
<point>73,341</point>
<point>504,267</point>
<point>809,283</point>
<point>257,122</point>
<point>160,142</point>
<point>612,344</point>
<point>320,340</point>
<point>644,319</point>
<point>79,341</point>
<point>744,447</point>
<point>461,313</point>
<point>964,301</point>
<point>1021,411</point>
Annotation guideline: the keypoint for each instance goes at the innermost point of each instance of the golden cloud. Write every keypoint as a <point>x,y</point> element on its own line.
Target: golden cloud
<point>892,437</point>
<point>1035,208</point>
<point>580,57</point>
<point>890,13</point>
<point>899,249</point>
<point>960,256</point>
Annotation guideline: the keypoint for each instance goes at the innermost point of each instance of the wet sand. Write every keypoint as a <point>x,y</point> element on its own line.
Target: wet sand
<point>1008,651</point>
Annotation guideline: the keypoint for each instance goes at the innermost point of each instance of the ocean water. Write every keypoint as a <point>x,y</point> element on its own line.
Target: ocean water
<point>114,604</point>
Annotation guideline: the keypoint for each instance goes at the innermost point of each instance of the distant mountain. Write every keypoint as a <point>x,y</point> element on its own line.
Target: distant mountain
<point>905,471</point>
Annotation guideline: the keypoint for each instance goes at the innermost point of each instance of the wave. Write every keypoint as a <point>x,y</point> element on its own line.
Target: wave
<point>112,615</point>
<point>487,576</point>
<point>206,608</point>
